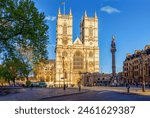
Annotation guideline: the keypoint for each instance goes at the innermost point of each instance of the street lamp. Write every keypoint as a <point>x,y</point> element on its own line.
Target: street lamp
<point>87,77</point>
<point>148,70</point>
<point>132,71</point>
<point>71,67</point>
<point>63,58</point>
<point>59,78</point>
<point>143,54</point>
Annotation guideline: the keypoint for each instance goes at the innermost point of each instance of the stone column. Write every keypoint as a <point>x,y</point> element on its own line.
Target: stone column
<point>113,50</point>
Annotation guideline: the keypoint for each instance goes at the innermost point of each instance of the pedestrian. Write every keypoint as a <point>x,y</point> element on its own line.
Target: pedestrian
<point>79,86</point>
<point>64,87</point>
<point>31,86</point>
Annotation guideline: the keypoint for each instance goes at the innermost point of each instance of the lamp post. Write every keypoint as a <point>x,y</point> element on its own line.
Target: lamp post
<point>69,79</point>
<point>143,54</point>
<point>70,74</point>
<point>63,58</point>
<point>132,71</point>
<point>143,80</point>
<point>71,67</point>
<point>59,78</point>
<point>142,71</point>
<point>87,77</point>
<point>148,71</point>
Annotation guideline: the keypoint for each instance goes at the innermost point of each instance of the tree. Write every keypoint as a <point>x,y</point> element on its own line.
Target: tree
<point>4,74</point>
<point>22,26</point>
<point>25,69</point>
<point>10,69</point>
<point>14,68</point>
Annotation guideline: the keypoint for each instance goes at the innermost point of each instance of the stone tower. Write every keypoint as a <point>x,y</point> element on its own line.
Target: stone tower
<point>64,29</point>
<point>63,42</point>
<point>89,38</point>
<point>89,30</point>
<point>113,50</point>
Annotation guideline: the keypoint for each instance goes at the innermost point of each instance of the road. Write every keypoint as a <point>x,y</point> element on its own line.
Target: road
<point>102,94</point>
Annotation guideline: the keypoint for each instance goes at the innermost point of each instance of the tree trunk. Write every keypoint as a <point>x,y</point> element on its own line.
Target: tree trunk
<point>9,82</point>
<point>14,81</point>
<point>27,78</point>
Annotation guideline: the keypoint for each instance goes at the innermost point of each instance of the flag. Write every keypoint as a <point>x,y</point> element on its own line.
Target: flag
<point>62,3</point>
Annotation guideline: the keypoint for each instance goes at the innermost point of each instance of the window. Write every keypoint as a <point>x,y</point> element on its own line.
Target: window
<point>65,41</point>
<point>90,54</point>
<point>90,31</point>
<point>64,54</point>
<point>78,60</point>
<point>65,29</point>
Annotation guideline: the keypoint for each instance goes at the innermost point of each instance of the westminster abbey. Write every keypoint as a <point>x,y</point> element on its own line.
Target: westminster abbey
<point>73,58</point>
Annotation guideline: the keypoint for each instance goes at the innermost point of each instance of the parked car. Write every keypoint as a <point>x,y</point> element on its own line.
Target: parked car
<point>34,84</point>
<point>99,84</point>
<point>42,84</point>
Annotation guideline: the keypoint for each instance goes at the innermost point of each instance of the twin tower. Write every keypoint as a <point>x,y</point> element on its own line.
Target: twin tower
<point>74,58</point>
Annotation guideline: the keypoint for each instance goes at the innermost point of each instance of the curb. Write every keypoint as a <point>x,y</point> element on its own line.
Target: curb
<point>62,95</point>
<point>131,93</point>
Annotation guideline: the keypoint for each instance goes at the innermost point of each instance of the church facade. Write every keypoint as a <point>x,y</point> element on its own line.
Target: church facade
<point>73,58</point>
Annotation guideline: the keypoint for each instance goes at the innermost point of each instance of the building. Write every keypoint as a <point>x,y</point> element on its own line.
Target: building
<point>45,71</point>
<point>120,79</point>
<point>92,79</point>
<point>136,67</point>
<point>76,57</point>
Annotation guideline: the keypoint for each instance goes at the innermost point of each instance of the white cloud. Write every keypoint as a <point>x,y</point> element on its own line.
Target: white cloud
<point>110,10</point>
<point>50,18</point>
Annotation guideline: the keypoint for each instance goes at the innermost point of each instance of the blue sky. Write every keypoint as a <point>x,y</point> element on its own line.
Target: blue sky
<point>128,20</point>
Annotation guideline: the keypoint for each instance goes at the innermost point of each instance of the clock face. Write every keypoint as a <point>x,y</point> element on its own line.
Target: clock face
<point>65,41</point>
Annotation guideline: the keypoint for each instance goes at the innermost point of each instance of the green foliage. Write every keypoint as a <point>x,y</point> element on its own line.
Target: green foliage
<point>22,30</point>
<point>10,69</point>
<point>13,68</point>
<point>22,26</point>
<point>28,83</point>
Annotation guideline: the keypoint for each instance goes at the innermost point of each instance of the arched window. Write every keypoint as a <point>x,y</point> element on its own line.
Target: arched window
<point>90,54</point>
<point>64,54</point>
<point>65,29</point>
<point>90,31</point>
<point>78,60</point>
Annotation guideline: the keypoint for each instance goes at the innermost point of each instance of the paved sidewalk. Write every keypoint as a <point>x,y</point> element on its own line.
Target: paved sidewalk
<point>133,90</point>
<point>39,93</point>
<point>139,91</point>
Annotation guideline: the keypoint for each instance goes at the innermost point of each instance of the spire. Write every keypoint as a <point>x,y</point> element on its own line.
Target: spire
<point>70,13</point>
<point>85,14</point>
<point>59,11</point>
<point>95,16</point>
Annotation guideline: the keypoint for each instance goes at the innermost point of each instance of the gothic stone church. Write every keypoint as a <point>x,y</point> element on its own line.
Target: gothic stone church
<point>76,57</point>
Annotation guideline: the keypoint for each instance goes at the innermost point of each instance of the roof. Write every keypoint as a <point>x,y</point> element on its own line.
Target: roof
<point>77,41</point>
